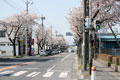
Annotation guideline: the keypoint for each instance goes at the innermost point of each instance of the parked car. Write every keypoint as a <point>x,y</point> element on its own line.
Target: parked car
<point>49,52</point>
<point>66,51</point>
<point>54,51</point>
<point>43,53</point>
<point>59,51</point>
<point>72,51</point>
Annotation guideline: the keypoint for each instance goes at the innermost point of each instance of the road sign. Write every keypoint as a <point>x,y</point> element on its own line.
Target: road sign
<point>69,34</point>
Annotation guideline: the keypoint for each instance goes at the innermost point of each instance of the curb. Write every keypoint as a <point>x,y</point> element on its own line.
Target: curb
<point>82,75</point>
<point>12,57</point>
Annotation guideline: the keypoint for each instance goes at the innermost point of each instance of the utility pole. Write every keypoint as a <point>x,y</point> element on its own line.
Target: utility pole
<point>26,36</point>
<point>42,18</point>
<point>85,44</point>
<point>27,6</point>
<point>90,38</point>
<point>56,33</point>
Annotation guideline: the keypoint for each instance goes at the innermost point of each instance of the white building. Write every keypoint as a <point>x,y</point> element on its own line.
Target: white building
<point>6,48</point>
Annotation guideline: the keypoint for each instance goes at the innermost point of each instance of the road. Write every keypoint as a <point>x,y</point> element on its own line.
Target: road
<point>57,67</point>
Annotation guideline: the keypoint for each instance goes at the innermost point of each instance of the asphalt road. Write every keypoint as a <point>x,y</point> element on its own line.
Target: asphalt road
<point>57,67</point>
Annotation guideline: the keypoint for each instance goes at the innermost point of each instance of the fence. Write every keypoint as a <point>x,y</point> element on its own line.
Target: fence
<point>115,52</point>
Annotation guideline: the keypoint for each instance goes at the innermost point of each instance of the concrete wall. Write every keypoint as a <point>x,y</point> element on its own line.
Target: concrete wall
<point>7,49</point>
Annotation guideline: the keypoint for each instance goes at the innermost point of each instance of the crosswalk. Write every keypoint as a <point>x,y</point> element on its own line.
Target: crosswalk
<point>33,74</point>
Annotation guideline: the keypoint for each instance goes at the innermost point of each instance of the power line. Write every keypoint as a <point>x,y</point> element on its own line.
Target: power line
<point>37,8</point>
<point>19,6</point>
<point>10,4</point>
<point>34,7</point>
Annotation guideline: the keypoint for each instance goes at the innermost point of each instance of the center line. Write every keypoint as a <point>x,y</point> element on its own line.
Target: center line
<point>65,57</point>
<point>51,68</point>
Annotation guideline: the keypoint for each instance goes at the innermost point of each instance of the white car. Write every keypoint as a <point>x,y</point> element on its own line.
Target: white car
<point>43,53</point>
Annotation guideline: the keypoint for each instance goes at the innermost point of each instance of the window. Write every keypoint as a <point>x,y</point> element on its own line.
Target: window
<point>2,45</point>
<point>2,33</point>
<point>9,44</point>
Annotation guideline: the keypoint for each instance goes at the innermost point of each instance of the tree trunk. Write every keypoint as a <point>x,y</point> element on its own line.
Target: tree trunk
<point>38,49</point>
<point>41,46</point>
<point>30,46</point>
<point>19,48</point>
<point>14,49</point>
<point>114,35</point>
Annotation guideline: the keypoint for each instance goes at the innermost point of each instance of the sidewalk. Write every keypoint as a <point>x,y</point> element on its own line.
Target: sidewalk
<point>103,72</point>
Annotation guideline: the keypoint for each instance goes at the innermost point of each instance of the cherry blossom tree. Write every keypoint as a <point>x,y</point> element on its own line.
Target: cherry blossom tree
<point>13,25</point>
<point>60,43</point>
<point>43,37</point>
<point>75,19</point>
<point>106,11</point>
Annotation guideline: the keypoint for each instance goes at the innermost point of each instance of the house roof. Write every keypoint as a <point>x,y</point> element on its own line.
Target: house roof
<point>108,36</point>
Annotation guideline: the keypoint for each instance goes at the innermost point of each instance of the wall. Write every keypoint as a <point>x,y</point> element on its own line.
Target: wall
<point>7,50</point>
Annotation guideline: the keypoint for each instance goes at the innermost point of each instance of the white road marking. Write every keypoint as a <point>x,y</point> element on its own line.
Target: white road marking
<point>63,75</point>
<point>51,68</point>
<point>19,73</point>
<point>65,57</point>
<point>6,72</point>
<point>36,74</point>
<point>32,68</point>
<point>27,68</point>
<point>48,74</point>
<point>31,74</point>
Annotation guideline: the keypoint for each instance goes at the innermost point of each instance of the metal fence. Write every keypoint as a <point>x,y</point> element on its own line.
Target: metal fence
<point>115,52</point>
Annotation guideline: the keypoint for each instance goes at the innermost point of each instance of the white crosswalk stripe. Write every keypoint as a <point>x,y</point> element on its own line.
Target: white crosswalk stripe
<point>19,73</point>
<point>36,74</point>
<point>48,74</point>
<point>33,74</point>
<point>6,72</point>
<point>29,75</point>
<point>63,75</point>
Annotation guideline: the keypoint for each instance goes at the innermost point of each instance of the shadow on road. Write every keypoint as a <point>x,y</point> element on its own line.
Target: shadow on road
<point>16,61</point>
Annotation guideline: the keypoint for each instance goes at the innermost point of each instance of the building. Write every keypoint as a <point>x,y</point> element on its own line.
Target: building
<point>6,48</point>
<point>108,40</point>
<point>106,43</point>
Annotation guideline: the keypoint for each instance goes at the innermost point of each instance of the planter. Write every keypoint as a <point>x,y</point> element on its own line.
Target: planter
<point>114,67</point>
<point>118,68</point>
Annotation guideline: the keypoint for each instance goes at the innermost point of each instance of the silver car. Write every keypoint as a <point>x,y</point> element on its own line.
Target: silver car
<point>43,53</point>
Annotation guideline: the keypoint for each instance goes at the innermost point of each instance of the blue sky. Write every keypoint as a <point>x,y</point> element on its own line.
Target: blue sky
<point>55,11</point>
